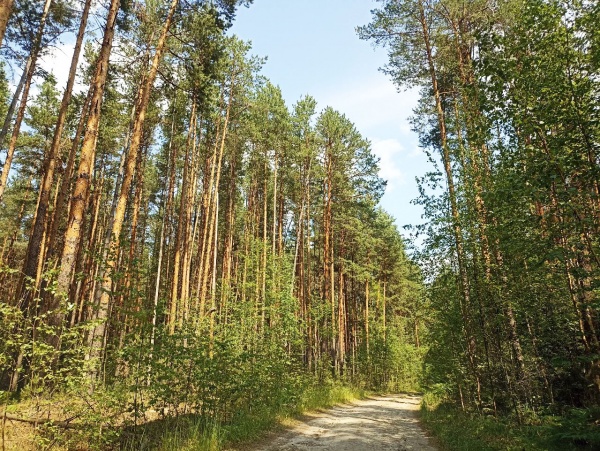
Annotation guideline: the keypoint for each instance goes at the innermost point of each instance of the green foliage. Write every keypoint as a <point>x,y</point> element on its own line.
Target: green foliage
<point>192,432</point>
<point>508,115</point>
<point>576,430</point>
<point>40,119</point>
<point>25,338</point>
<point>219,312</point>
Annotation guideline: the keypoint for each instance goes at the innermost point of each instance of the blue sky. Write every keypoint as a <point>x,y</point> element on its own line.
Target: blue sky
<point>312,48</point>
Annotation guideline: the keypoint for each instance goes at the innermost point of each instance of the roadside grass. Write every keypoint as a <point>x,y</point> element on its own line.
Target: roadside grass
<point>193,433</point>
<point>456,430</point>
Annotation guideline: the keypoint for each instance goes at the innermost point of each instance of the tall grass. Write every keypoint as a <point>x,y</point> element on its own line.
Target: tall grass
<point>462,431</point>
<point>193,433</point>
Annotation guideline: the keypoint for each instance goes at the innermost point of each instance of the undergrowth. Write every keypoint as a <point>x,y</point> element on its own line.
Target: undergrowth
<point>192,433</point>
<point>577,429</point>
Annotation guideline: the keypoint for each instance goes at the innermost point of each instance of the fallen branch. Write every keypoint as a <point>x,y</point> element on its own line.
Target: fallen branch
<point>40,421</point>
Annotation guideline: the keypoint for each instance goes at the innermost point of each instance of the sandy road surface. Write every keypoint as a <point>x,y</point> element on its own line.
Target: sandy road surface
<point>383,423</point>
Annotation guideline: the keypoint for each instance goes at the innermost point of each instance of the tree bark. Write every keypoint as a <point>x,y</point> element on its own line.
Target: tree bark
<point>15,101</point>
<point>181,227</point>
<point>61,205</point>
<point>5,12</point>
<point>171,162</point>
<point>34,255</point>
<point>212,200</point>
<point>136,138</point>
<point>463,276</point>
<point>88,155</point>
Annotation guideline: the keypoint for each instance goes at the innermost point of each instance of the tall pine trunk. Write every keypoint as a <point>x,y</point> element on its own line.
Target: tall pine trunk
<point>79,198</point>
<point>34,255</point>
<point>97,338</point>
<point>458,238</point>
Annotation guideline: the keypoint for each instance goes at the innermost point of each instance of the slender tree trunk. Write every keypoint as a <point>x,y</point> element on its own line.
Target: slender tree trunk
<point>88,154</point>
<point>63,195</point>
<point>171,162</point>
<point>328,261</point>
<point>136,138</point>
<point>342,320</point>
<point>213,309</point>
<point>131,291</point>
<point>34,256</point>
<point>312,346</point>
<point>367,317</point>
<point>212,200</point>
<point>298,249</point>
<point>472,119</point>
<point>176,298</point>
<point>263,272</point>
<point>274,234</point>
<point>463,277</point>
<point>15,100</point>
<point>229,232</point>
<point>206,209</point>
<point>190,232</point>
<point>35,51</point>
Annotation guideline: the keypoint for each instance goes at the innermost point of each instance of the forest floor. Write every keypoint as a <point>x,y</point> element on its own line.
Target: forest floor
<point>382,423</point>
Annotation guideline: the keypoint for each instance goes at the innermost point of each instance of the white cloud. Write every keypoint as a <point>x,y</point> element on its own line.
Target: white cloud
<point>58,62</point>
<point>372,104</point>
<point>417,152</point>
<point>389,151</point>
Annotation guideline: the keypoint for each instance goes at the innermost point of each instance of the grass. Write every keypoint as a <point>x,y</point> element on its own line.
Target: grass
<point>192,433</point>
<point>184,432</point>
<point>461,431</point>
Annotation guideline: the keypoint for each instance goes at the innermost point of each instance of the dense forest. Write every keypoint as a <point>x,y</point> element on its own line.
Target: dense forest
<point>177,243</point>
<point>175,238</point>
<point>509,113</point>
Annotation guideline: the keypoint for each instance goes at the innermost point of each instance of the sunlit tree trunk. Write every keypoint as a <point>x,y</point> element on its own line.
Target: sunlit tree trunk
<point>5,12</point>
<point>130,164</point>
<point>182,223</point>
<point>34,255</point>
<point>61,203</point>
<point>212,203</point>
<point>463,276</point>
<point>87,158</point>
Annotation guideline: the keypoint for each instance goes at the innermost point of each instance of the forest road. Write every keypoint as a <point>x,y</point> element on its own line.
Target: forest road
<point>381,423</point>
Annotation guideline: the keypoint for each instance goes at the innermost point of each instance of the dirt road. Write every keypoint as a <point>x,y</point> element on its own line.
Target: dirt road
<point>382,423</point>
